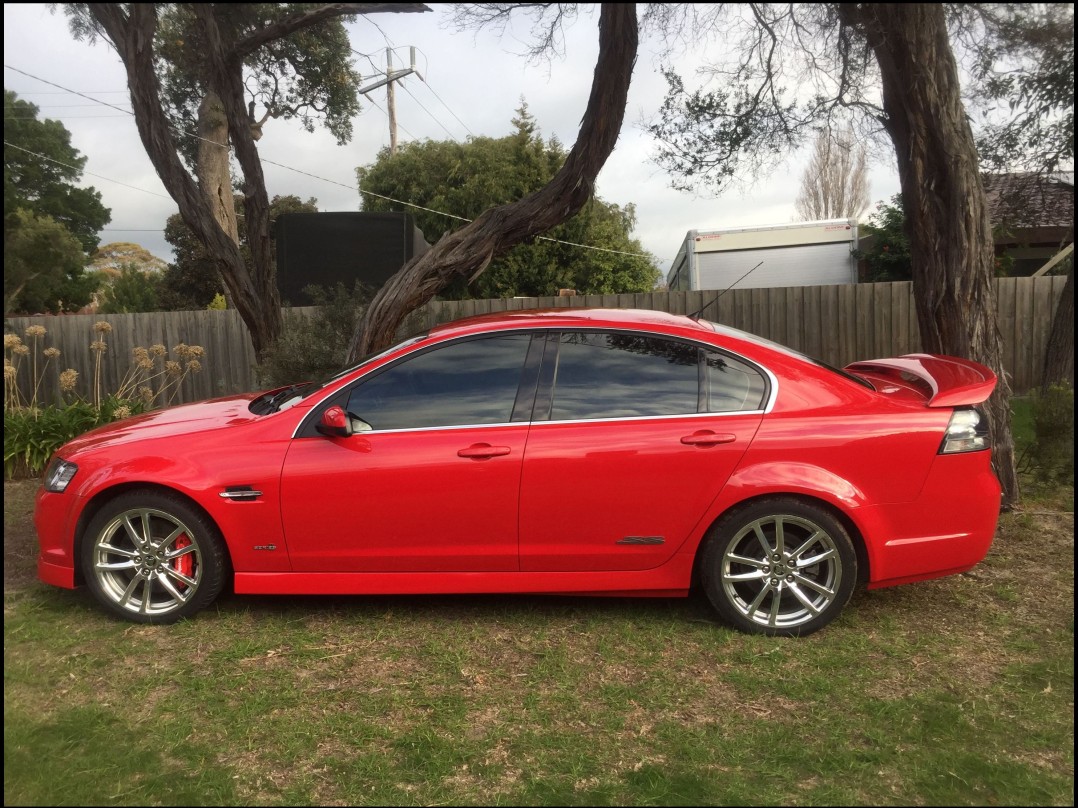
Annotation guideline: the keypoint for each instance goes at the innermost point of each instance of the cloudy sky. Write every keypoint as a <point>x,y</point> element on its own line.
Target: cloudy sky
<point>473,84</point>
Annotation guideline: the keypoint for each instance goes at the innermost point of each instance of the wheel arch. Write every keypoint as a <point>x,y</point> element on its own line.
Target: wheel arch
<point>103,497</point>
<point>859,546</point>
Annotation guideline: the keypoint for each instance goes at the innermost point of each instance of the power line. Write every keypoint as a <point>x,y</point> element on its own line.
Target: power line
<point>451,112</point>
<point>290,168</point>
<point>92,174</point>
<point>446,128</point>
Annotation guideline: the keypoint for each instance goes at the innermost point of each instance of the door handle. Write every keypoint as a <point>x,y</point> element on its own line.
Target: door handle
<point>480,451</point>
<point>707,438</point>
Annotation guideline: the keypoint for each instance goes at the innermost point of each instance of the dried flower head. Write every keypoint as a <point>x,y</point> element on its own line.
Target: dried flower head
<point>99,346</point>
<point>122,412</point>
<point>194,365</point>
<point>158,350</point>
<point>21,350</point>
<point>51,353</point>
<point>180,350</point>
<point>35,331</point>
<point>68,379</point>
<point>12,341</point>
<point>102,327</point>
<point>146,394</point>
<point>9,373</point>
<point>142,359</point>
<point>173,368</point>
<point>196,351</point>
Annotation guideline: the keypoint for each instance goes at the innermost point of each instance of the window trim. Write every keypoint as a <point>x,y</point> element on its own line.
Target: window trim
<point>548,380</point>
<point>548,335</point>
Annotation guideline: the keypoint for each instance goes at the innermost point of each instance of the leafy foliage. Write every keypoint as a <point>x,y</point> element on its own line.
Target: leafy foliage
<point>314,345</point>
<point>466,179</point>
<point>43,266</point>
<point>1023,70</point>
<point>888,257</point>
<point>1050,457</point>
<point>31,436</point>
<point>132,290</point>
<point>307,76</point>
<point>111,258</point>
<point>47,187</point>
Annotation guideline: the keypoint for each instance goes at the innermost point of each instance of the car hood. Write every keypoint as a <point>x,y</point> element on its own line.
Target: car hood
<point>185,419</point>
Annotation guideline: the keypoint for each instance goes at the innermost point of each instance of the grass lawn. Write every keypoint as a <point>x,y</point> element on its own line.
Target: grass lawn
<point>958,691</point>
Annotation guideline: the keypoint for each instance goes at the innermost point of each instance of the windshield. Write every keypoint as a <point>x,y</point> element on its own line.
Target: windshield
<point>284,397</point>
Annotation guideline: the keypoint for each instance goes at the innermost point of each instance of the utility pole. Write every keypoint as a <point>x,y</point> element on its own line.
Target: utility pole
<point>391,104</point>
<point>392,76</point>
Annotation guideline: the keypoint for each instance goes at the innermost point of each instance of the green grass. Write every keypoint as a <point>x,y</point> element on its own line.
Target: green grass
<point>956,691</point>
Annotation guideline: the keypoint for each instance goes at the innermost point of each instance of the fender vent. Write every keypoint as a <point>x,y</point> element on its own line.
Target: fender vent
<point>240,493</point>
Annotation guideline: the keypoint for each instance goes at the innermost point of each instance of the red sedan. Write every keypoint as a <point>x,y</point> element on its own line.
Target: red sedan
<point>601,452</point>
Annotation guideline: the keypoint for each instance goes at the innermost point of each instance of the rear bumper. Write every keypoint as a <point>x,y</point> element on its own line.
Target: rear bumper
<point>948,529</point>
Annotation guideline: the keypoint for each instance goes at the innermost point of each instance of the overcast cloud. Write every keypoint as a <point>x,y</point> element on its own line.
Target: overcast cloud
<point>476,77</point>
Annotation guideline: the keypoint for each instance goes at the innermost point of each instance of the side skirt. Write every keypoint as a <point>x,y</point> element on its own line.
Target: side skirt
<point>670,580</point>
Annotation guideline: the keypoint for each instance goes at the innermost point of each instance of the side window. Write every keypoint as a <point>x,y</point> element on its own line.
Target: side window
<point>732,385</point>
<point>464,383</point>
<point>613,375</point>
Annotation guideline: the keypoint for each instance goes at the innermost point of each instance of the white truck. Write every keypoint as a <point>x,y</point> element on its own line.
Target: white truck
<point>798,254</point>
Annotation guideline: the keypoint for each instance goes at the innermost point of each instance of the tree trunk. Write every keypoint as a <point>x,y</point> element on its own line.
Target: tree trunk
<point>946,215</point>
<point>1059,358</point>
<point>467,252</point>
<point>132,34</point>
<point>213,169</point>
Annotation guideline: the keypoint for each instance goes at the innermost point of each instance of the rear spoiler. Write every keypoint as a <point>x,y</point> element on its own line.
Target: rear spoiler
<point>949,381</point>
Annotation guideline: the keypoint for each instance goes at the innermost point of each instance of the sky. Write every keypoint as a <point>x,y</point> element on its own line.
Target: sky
<point>472,83</point>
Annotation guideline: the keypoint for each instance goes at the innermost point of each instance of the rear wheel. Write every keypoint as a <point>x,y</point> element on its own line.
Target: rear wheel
<point>780,567</point>
<point>151,557</point>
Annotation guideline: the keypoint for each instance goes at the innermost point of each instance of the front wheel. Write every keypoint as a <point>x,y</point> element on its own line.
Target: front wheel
<point>151,557</point>
<point>779,567</point>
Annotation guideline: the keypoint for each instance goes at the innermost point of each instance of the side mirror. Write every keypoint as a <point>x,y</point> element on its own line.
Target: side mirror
<point>335,423</point>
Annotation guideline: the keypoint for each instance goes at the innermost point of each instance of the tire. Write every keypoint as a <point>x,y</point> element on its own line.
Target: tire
<point>775,592</point>
<point>180,571</point>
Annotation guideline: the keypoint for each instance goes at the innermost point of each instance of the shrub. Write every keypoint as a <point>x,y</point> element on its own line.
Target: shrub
<point>1050,457</point>
<point>32,431</point>
<point>314,346</point>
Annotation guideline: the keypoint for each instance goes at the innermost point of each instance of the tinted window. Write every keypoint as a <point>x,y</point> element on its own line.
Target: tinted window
<point>623,376</point>
<point>733,385</point>
<point>471,382</point>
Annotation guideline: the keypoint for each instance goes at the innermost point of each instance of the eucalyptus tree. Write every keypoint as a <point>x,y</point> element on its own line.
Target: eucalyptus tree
<point>204,79</point>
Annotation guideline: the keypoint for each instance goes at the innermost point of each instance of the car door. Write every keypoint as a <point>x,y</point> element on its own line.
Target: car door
<point>634,435</point>
<point>433,484</point>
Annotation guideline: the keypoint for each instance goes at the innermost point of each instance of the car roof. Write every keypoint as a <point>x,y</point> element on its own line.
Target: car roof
<point>646,319</point>
<point>573,318</point>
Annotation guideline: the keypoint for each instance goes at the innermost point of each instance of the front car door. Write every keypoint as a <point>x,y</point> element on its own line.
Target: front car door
<point>433,485</point>
<point>634,435</point>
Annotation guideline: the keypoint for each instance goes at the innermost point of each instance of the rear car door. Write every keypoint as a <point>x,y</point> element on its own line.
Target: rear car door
<point>633,436</point>
<point>433,486</point>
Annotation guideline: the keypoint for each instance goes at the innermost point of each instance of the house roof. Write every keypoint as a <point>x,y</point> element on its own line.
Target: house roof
<point>1029,200</point>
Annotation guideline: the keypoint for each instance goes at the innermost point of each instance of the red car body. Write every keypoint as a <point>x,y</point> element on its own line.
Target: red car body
<point>610,505</point>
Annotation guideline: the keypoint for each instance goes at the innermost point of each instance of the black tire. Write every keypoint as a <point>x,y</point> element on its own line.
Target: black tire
<point>179,572</point>
<point>776,593</point>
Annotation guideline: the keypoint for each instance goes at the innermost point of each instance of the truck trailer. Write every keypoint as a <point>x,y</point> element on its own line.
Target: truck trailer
<point>798,254</point>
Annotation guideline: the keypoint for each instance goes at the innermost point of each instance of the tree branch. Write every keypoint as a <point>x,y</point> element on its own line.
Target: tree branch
<point>305,19</point>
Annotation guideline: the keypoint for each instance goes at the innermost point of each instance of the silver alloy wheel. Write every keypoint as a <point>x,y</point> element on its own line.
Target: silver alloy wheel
<point>781,571</point>
<point>147,561</point>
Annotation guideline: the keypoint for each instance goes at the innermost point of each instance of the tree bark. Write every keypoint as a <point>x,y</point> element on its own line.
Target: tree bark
<point>1059,358</point>
<point>467,252</point>
<point>946,214</point>
<point>213,169</point>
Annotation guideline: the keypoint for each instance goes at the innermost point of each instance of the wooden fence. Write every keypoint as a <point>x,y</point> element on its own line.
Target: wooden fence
<point>838,324</point>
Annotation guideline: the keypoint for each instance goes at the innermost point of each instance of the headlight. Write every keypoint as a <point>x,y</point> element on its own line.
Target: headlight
<point>59,474</point>
<point>967,432</point>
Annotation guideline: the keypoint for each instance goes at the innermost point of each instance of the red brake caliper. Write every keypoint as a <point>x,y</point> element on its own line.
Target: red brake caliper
<point>185,564</point>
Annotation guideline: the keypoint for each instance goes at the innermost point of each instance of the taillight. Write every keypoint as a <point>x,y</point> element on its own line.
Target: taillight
<point>967,432</point>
